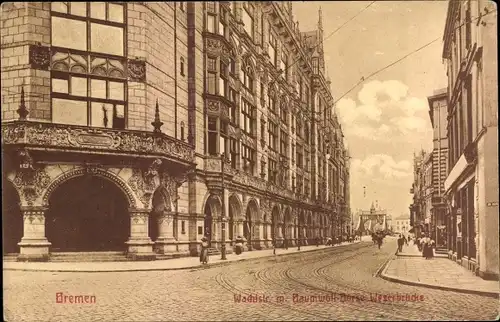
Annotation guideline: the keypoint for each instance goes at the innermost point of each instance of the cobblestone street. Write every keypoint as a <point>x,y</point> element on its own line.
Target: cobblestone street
<point>209,294</point>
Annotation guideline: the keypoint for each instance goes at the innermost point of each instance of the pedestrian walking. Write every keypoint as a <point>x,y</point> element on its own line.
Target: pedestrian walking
<point>405,240</point>
<point>400,244</point>
<point>204,250</point>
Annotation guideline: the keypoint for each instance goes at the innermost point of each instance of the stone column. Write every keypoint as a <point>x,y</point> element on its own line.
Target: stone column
<point>140,246</point>
<point>305,236</point>
<point>240,228</point>
<point>166,242</point>
<point>262,241</point>
<point>34,246</point>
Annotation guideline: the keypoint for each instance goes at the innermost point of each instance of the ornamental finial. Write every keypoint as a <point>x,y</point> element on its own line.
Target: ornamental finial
<point>157,124</point>
<point>22,110</point>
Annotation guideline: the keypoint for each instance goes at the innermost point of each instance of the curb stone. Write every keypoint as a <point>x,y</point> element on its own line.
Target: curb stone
<point>192,267</point>
<point>399,280</point>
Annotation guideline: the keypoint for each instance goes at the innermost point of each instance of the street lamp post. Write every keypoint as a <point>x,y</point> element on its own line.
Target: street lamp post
<point>223,245</point>
<point>298,239</point>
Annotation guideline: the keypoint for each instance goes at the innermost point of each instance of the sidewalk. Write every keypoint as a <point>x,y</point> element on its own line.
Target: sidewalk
<point>412,251</point>
<point>159,265</point>
<point>438,273</point>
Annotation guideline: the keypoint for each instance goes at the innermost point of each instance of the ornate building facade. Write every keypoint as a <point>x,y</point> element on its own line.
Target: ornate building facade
<point>470,53</point>
<point>84,168</point>
<point>142,127</point>
<point>438,114</point>
<point>269,110</point>
<point>417,208</point>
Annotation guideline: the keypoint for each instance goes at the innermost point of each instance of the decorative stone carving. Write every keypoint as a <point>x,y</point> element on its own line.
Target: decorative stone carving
<point>137,70</point>
<point>66,136</point>
<point>39,57</point>
<point>30,180</point>
<point>145,182</point>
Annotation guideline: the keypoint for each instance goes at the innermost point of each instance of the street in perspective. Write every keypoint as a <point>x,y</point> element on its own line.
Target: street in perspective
<point>250,161</point>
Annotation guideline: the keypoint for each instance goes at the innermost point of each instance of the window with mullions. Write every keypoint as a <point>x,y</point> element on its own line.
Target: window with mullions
<point>248,118</point>
<point>272,170</point>
<point>273,47</point>
<point>222,79</point>
<point>217,136</point>
<point>222,21</point>
<point>300,156</point>
<point>247,78</point>
<point>273,135</point>
<point>88,76</point>
<point>248,156</point>
<point>284,113</point>
<point>211,79</point>
<point>247,18</point>
<point>299,126</point>
<point>233,152</point>
<point>272,102</point>
<point>283,143</point>
<point>284,65</point>
<point>231,95</point>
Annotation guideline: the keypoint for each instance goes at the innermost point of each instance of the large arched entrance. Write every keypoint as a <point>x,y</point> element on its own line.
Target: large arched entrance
<point>274,223</point>
<point>88,213</point>
<point>287,224</point>
<point>211,211</point>
<point>248,223</point>
<point>12,218</point>
<point>234,213</point>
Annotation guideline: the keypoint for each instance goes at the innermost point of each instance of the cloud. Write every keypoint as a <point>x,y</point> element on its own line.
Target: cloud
<point>384,111</point>
<point>381,164</point>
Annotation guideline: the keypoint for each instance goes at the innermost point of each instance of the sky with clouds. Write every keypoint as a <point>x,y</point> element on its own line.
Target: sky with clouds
<point>385,119</point>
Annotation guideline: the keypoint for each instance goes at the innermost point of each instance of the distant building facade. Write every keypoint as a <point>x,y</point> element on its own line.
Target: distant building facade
<point>373,220</point>
<point>438,112</point>
<point>401,225</point>
<point>470,52</point>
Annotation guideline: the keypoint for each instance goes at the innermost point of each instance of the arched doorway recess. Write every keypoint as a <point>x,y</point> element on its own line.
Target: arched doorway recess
<point>88,213</point>
<point>250,214</point>
<point>211,211</point>
<point>234,214</point>
<point>12,218</point>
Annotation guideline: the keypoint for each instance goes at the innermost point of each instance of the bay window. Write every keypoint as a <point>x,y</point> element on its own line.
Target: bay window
<point>211,76</point>
<point>88,78</point>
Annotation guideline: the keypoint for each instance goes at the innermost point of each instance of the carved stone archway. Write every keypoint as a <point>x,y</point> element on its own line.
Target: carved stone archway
<point>90,172</point>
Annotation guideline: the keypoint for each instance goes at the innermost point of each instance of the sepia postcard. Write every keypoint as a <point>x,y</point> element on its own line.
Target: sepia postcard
<point>250,161</point>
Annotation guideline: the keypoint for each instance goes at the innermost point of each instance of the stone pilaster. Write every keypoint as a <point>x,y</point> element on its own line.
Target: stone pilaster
<point>140,246</point>
<point>268,239</point>
<point>166,242</point>
<point>34,245</point>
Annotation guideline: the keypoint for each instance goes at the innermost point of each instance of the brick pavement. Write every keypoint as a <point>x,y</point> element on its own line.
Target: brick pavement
<point>438,273</point>
<point>208,295</point>
<point>170,264</point>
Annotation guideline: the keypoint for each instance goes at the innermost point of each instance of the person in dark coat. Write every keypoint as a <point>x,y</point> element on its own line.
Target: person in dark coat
<point>400,244</point>
<point>204,250</point>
